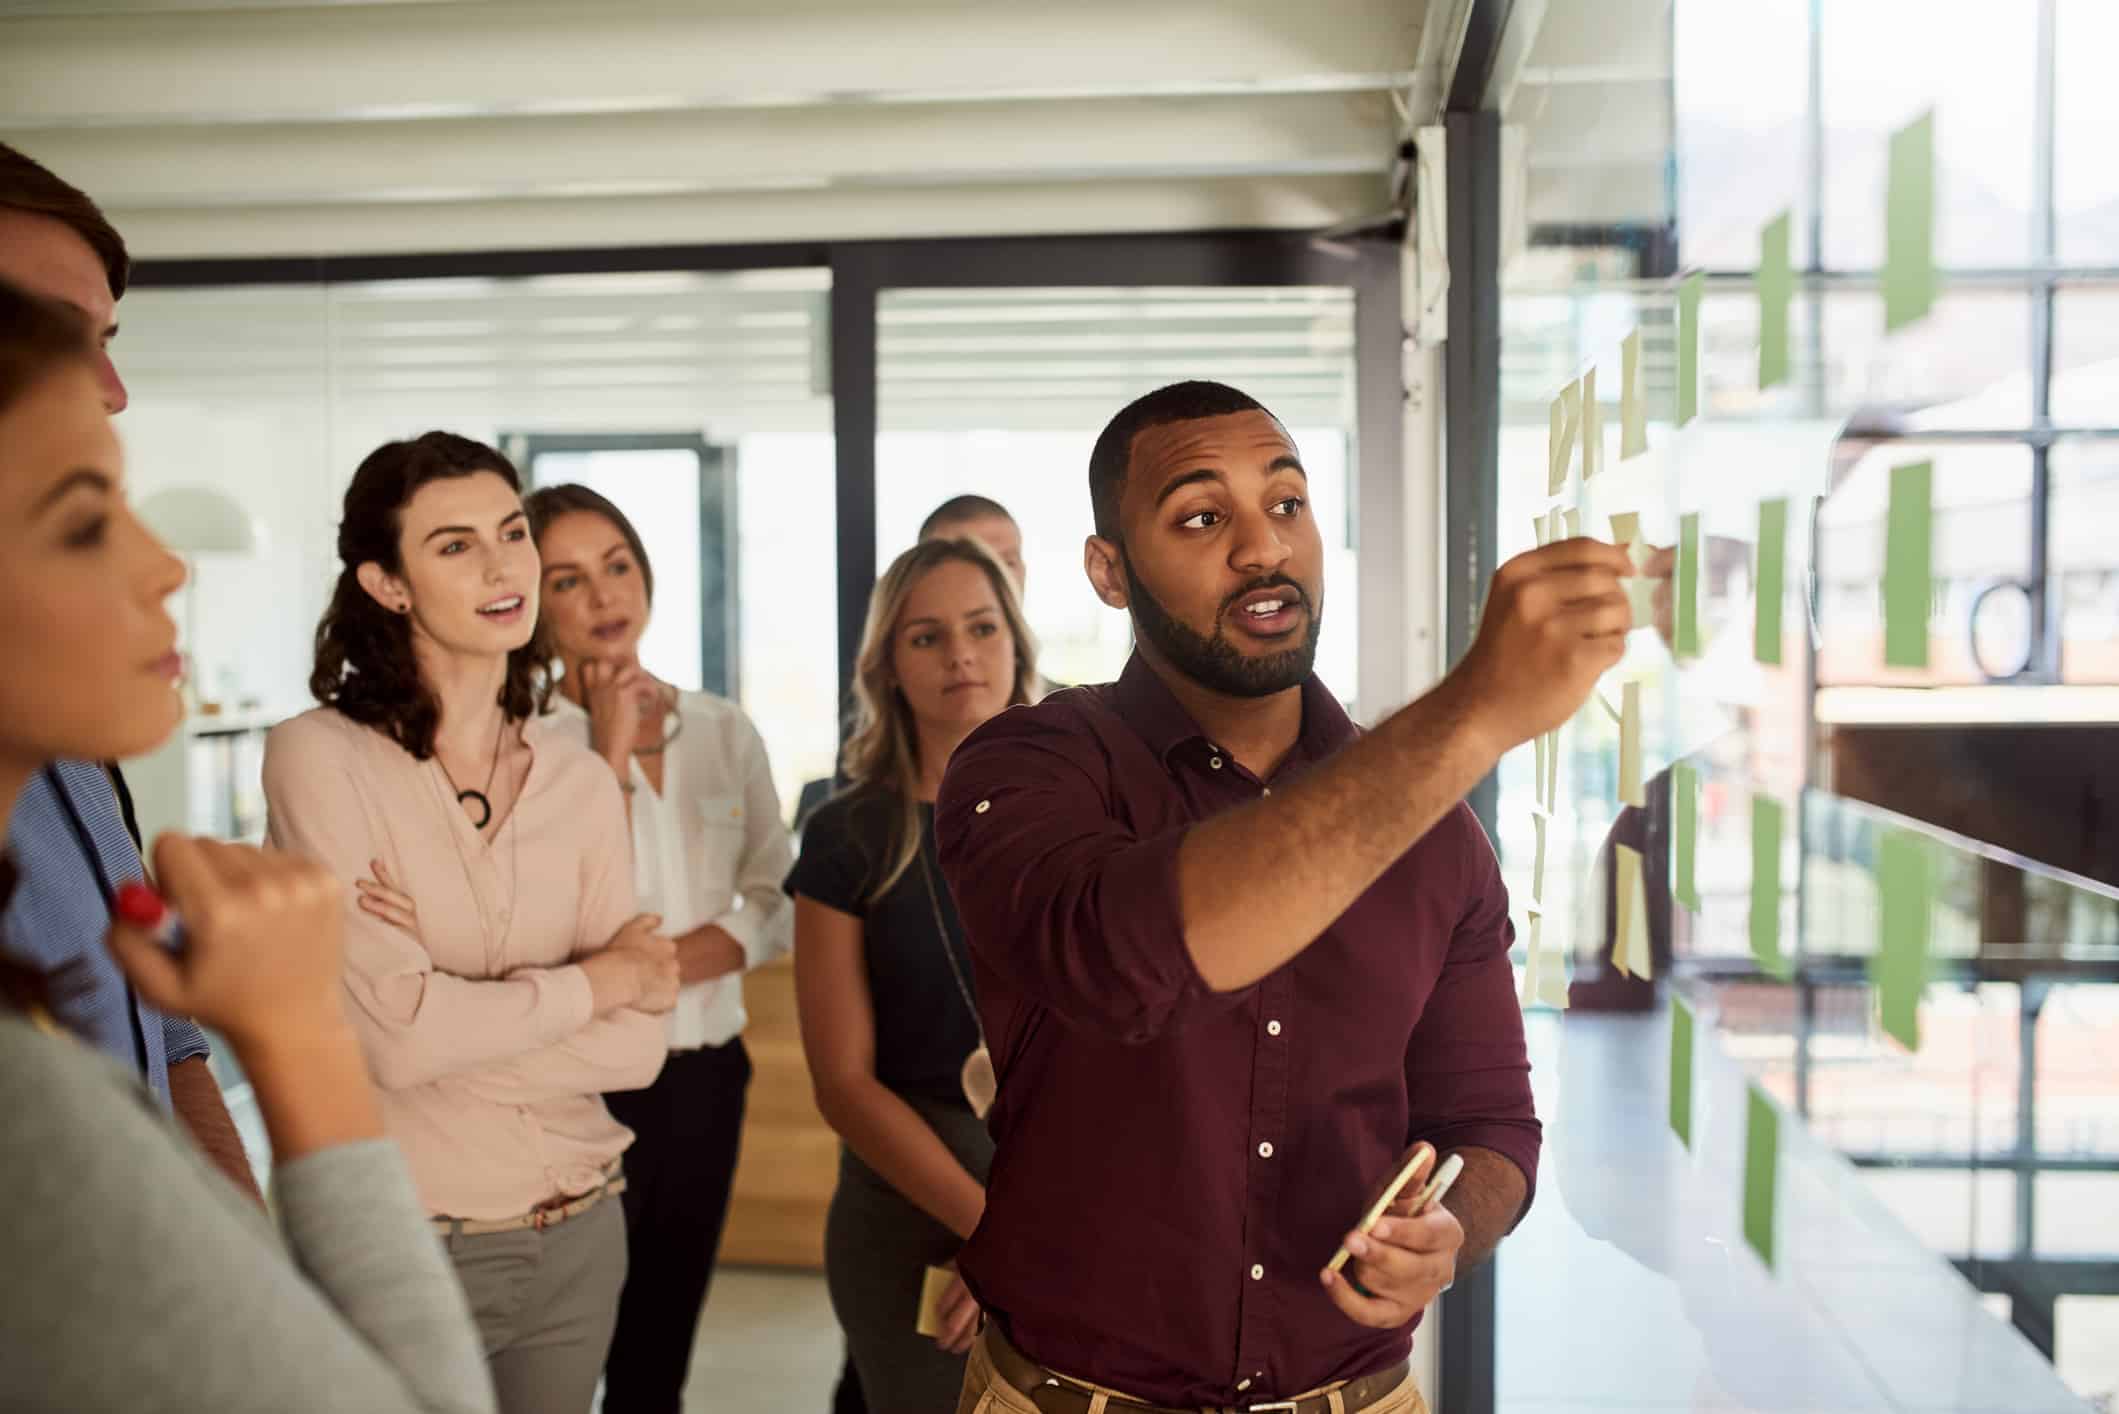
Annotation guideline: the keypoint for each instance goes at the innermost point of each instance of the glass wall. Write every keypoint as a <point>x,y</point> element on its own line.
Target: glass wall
<point>1941,1226</point>
<point>275,393</point>
<point>1003,392</point>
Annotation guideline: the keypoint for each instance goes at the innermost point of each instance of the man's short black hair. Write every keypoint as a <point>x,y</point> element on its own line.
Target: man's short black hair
<point>1179,402</point>
<point>961,508</point>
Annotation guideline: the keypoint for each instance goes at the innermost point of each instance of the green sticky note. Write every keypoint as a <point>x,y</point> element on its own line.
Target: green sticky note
<point>1776,291</point>
<point>1633,411</point>
<point>1909,551</point>
<point>1689,291</point>
<point>1681,1071</point>
<point>1772,565</point>
<point>1766,831</point>
<point>1762,1145</point>
<point>1909,224</point>
<point>1687,644</point>
<point>1905,887</point>
<point>1684,834</point>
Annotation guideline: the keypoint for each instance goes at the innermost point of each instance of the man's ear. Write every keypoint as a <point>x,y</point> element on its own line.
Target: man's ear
<point>1107,576</point>
<point>385,588</point>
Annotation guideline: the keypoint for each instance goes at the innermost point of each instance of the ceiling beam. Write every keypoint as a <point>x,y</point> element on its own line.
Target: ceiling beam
<point>666,154</point>
<point>376,63</point>
<point>845,213</point>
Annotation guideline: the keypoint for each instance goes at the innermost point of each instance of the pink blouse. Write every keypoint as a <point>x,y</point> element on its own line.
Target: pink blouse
<point>477,1025</point>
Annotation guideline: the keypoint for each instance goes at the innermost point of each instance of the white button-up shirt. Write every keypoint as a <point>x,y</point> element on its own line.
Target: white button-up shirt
<point>710,848</point>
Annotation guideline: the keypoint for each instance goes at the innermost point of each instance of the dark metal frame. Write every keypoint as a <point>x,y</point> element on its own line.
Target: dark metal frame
<point>862,270</point>
<point>1467,1374</point>
<point>720,623</point>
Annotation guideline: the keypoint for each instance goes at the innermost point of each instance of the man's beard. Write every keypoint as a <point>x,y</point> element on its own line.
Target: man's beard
<point>1215,663</point>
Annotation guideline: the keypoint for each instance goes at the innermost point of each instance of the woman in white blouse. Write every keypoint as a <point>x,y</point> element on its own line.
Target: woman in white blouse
<point>709,853</point>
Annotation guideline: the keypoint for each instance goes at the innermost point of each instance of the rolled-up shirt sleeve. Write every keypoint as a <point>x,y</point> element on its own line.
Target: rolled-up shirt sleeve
<point>182,1040</point>
<point>1075,910</point>
<point>1467,1068</point>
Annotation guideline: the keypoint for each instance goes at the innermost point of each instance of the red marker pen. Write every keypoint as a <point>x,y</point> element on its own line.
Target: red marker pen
<point>140,906</point>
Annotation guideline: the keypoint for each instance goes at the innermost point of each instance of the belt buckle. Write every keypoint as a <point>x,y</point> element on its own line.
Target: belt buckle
<point>1291,1405</point>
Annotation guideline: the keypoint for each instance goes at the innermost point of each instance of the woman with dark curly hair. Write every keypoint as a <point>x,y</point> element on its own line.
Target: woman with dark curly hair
<point>496,972</point>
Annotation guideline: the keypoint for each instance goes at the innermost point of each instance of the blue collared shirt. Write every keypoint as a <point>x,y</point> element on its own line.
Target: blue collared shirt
<point>60,915</point>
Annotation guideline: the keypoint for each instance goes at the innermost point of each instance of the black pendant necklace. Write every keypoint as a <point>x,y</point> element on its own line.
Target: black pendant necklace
<point>485,801</point>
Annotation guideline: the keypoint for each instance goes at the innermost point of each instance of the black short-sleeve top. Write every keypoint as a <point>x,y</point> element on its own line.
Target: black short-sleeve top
<point>924,1031</point>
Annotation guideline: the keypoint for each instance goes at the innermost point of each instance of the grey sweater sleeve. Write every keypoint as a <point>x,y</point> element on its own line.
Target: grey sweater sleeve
<point>139,1279</point>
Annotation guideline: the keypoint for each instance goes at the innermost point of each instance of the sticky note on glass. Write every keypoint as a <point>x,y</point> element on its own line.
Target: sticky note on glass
<point>1552,974</point>
<point>1552,769</point>
<point>1571,523</point>
<point>1630,792</point>
<point>1533,958</point>
<point>1762,1156</point>
<point>1681,1070</point>
<point>1625,527</point>
<point>1909,549</point>
<point>1776,292</point>
<point>1629,946</point>
<point>1685,835</point>
<point>1537,783</point>
<point>1540,528</point>
<point>1592,427</point>
<point>1767,826</point>
<point>1687,635</point>
<point>1772,567</point>
<point>1909,224</point>
<point>1537,867</point>
<point>1905,885</point>
<point>1633,414</point>
<point>1690,289</point>
<point>1566,425</point>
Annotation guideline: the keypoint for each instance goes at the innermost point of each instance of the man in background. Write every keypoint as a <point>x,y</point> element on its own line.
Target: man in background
<point>73,835</point>
<point>988,522</point>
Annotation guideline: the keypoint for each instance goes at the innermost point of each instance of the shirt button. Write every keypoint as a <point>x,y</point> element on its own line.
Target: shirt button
<point>1268,790</point>
<point>1258,1273</point>
<point>1265,1151</point>
<point>1215,763</point>
<point>982,807</point>
<point>1272,1028</point>
<point>1242,1385</point>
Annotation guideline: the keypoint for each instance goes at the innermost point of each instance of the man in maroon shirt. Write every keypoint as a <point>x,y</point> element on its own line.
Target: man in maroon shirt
<point>1234,956</point>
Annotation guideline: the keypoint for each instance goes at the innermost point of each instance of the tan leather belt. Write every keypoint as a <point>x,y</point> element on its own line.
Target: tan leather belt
<point>1054,1393</point>
<point>541,1217</point>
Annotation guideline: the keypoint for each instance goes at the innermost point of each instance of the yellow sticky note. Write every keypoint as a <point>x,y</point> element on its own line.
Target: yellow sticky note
<point>1592,427</point>
<point>1552,770</point>
<point>1629,943</point>
<point>1625,527</point>
<point>1537,781</point>
<point>1537,867</point>
<point>1571,522</point>
<point>933,1286</point>
<point>1555,525</point>
<point>1633,416</point>
<point>1552,975</point>
<point>1630,745</point>
<point>1566,425</point>
<point>1540,528</point>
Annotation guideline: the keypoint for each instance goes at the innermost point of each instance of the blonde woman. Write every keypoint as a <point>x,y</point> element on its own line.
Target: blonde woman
<point>882,976</point>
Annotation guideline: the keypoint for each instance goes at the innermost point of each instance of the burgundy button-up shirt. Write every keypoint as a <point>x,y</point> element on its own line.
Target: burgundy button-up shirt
<point>1175,1165</point>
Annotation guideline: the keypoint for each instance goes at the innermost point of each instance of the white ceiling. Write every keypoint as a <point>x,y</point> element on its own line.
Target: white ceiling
<point>230,127</point>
